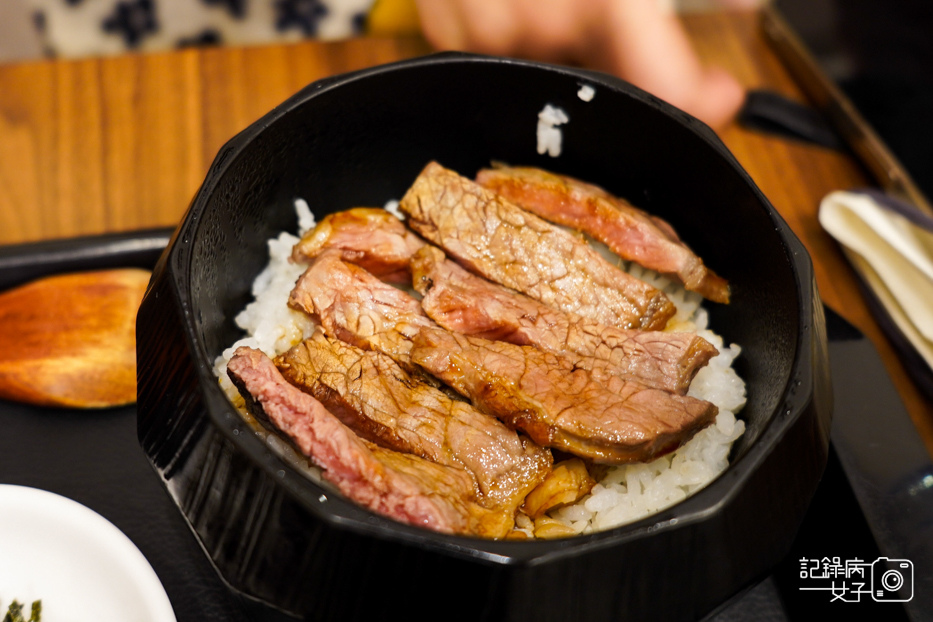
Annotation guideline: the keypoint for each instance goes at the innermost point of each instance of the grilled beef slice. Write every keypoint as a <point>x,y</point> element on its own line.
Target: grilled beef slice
<point>407,488</point>
<point>372,395</point>
<point>491,236</point>
<point>626,230</point>
<point>369,237</point>
<point>607,420</point>
<point>354,306</point>
<point>466,303</point>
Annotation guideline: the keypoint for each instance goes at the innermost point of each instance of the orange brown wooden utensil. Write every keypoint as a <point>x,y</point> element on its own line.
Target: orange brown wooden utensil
<point>70,340</point>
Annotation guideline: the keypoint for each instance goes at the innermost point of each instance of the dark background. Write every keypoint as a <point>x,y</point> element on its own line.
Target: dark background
<point>880,53</point>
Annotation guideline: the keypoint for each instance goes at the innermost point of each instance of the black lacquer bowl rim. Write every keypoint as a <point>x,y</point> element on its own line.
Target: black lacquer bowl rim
<point>796,395</point>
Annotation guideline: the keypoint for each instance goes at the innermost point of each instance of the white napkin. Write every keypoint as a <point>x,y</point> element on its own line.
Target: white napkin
<point>890,246</point>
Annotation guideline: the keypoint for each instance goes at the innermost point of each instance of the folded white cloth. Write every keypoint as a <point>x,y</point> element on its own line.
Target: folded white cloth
<point>890,245</point>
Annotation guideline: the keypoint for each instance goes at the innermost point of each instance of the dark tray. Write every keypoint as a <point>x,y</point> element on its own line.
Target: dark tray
<point>875,500</point>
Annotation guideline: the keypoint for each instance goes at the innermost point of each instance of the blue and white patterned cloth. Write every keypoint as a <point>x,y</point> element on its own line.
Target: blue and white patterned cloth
<point>73,28</point>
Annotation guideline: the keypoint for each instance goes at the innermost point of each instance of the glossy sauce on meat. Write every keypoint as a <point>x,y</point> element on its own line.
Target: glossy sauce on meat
<point>559,405</point>
<point>466,303</point>
<point>626,230</point>
<point>381,402</point>
<point>398,485</point>
<point>492,237</point>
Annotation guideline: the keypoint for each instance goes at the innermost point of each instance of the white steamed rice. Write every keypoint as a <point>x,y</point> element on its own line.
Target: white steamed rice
<point>626,493</point>
<point>548,134</point>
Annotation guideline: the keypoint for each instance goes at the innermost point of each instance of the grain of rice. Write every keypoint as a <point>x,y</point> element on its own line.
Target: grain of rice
<point>586,92</point>
<point>393,208</point>
<point>548,133</point>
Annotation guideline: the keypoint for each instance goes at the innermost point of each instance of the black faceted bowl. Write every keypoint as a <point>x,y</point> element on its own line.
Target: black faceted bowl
<point>361,139</point>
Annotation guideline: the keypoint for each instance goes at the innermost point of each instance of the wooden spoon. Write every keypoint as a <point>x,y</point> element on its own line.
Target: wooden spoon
<point>70,340</point>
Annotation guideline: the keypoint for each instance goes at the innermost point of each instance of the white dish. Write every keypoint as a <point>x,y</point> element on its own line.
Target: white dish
<point>78,563</point>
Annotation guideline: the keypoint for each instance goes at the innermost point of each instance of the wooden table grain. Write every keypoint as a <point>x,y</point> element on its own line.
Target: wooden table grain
<point>122,143</point>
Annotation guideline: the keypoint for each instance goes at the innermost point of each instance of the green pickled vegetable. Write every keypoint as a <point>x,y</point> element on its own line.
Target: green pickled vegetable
<point>15,612</point>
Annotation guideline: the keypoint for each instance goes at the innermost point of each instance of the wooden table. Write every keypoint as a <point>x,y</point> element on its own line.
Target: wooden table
<point>122,143</point>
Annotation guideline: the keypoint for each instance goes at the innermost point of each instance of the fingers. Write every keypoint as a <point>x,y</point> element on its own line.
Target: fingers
<point>650,48</point>
<point>539,29</point>
<point>634,39</point>
<point>482,26</point>
<point>718,99</point>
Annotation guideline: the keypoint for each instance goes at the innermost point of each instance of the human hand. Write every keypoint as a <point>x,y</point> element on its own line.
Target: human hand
<point>636,40</point>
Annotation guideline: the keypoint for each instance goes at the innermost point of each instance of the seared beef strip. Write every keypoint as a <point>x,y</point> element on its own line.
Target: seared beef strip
<point>465,303</point>
<point>376,398</point>
<point>489,235</point>
<point>407,488</point>
<point>626,230</point>
<point>607,420</point>
<point>354,306</point>
<point>369,237</point>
